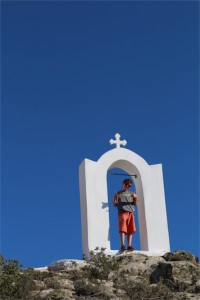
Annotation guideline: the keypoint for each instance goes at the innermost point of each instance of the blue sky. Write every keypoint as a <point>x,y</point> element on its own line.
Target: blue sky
<point>73,74</point>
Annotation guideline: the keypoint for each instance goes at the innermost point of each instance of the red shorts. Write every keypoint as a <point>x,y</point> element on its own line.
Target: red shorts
<point>126,222</point>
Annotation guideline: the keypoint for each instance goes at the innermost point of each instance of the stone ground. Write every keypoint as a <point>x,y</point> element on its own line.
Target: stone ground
<point>175,275</point>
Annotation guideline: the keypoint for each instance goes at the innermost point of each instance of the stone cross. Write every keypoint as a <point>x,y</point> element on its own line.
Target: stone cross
<point>117,141</point>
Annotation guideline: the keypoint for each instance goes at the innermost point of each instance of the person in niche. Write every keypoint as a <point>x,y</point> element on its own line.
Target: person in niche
<point>125,201</point>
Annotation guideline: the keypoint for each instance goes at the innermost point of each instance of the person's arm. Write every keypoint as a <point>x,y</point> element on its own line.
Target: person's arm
<point>115,202</point>
<point>135,198</point>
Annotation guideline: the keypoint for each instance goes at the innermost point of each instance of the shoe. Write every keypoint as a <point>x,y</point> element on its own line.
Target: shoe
<point>130,248</point>
<point>123,248</point>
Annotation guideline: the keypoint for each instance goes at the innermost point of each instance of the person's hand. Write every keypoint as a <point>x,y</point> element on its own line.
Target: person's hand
<point>134,195</point>
<point>115,200</point>
<point>135,198</point>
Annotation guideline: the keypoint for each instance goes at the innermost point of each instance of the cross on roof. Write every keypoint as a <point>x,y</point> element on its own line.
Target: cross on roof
<point>117,141</point>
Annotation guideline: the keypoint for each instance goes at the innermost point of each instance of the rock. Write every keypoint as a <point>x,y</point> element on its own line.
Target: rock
<point>66,284</point>
<point>111,276</point>
<point>106,290</point>
<point>39,285</point>
<point>197,287</point>
<point>57,282</point>
<point>134,269</point>
<point>179,276</point>
<point>153,260</point>
<point>66,264</point>
<point>61,294</point>
<point>138,264</point>
<point>43,269</point>
<point>186,296</point>
<point>179,255</point>
<point>135,264</point>
<point>44,294</point>
<point>85,287</point>
<point>137,276</point>
<point>185,271</point>
<point>133,257</point>
<point>161,271</point>
<point>53,294</point>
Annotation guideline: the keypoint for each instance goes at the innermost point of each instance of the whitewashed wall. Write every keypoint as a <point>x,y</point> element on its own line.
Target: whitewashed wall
<point>153,228</point>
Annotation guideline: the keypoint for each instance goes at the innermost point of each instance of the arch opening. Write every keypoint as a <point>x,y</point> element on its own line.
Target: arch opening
<point>114,184</point>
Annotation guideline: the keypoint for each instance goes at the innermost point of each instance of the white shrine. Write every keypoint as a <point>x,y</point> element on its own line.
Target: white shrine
<point>153,227</point>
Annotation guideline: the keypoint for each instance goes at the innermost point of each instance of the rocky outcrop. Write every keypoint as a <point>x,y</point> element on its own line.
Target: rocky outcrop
<point>66,264</point>
<point>179,256</point>
<point>133,276</point>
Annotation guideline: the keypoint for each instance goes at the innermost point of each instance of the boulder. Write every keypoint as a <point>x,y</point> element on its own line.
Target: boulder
<point>66,264</point>
<point>179,276</point>
<point>137,264</point>
<point>161,271</point>
<point>179,255</point>
<point>185,271</point>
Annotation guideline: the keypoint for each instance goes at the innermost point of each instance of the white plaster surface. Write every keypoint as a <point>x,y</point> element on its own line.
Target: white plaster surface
<point>41,269</point>
<point>153,227</point>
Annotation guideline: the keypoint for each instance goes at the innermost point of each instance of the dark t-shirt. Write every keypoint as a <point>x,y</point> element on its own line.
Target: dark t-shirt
<point>125,202</point>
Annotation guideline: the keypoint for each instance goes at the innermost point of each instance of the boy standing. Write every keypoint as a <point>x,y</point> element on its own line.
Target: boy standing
<point>125,201</point>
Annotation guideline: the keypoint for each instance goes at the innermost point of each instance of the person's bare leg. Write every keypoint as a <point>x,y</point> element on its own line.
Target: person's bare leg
<point>129,237</point>
<point>122,238</point>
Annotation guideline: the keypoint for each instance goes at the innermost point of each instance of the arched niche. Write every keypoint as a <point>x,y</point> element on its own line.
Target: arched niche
<point>152,216</point>
<point>115,177</point>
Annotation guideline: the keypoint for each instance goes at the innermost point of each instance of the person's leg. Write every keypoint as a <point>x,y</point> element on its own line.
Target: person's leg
<point>122,238</point>
<point>129,238</point>
<point>131,231</point>
<point>122,218</point>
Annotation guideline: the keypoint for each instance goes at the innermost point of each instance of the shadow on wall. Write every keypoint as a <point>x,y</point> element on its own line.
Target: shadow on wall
<point>104,205</point>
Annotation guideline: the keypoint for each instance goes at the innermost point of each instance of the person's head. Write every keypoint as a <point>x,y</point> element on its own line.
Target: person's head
<point>127,183</point>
